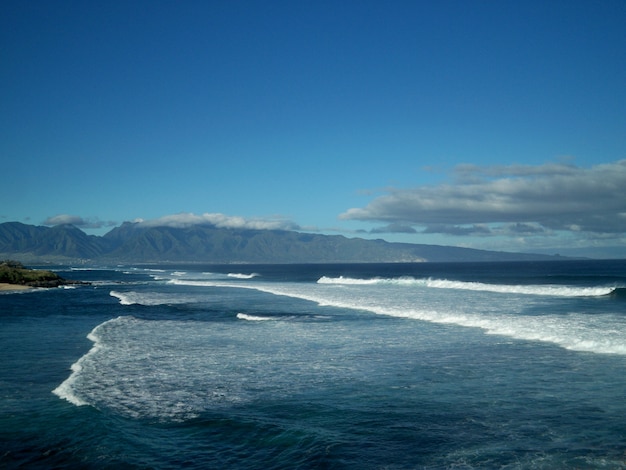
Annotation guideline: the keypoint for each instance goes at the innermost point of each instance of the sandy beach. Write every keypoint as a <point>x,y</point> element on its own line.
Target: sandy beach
<point>4,287</point>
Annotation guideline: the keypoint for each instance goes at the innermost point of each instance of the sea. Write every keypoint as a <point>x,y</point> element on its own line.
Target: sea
<point>320,366</point>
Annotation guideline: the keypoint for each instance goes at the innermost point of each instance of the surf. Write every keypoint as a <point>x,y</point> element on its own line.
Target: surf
<point>138,369</point>
<point>67,390</point>
<point>550,290</point>
<point>245,316</point>
<point>147,298</point>
<point>242,275</point>
<point>574,332</point>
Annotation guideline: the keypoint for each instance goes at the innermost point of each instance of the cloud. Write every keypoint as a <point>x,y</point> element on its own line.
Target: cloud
<point>458,230</point>
<point>556,196</point>
<point>514,229</point>
<point>524,229</point>
<point>187,219</point>
<point>77,221</point>
<point>394,228</point>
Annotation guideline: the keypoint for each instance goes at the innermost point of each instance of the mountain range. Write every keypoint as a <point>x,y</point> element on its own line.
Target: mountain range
<point>138,243</point>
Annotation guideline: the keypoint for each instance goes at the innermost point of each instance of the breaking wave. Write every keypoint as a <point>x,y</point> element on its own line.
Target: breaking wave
<point>151,298</point>
<point>551,290</point>
<point>242,276</point>
<point>577,332</point>
<point>245,316</point>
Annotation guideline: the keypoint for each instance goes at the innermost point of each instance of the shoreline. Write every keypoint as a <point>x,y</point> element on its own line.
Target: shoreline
<point>8,287</point>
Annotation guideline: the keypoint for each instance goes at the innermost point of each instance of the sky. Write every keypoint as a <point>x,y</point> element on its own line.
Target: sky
<point>486,124</point>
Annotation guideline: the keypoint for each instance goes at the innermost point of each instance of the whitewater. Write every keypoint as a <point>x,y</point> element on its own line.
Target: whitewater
<point>409,298</point>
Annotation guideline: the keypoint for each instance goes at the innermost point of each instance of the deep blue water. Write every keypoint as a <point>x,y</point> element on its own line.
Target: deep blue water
<point>394,366</point>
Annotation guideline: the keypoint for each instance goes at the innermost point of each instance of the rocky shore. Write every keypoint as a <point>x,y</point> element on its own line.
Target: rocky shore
<point>14,276</point>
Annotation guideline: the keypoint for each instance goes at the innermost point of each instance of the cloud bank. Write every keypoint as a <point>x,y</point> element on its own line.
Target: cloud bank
<point>77,221</point>
<point>186,219</point>
<point>509,200</point>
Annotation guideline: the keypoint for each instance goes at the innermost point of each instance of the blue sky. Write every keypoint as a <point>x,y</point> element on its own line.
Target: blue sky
<point>498,125</point>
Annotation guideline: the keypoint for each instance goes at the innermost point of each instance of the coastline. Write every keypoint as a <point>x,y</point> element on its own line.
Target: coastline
<point>7,287</point>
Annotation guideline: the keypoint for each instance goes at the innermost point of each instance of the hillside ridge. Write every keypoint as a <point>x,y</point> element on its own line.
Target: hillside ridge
<point>137,243</point>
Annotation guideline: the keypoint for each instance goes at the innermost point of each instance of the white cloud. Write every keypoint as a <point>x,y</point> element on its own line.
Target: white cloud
<point>77,221</point>
<point>534,199</point>
<point>187,219</point>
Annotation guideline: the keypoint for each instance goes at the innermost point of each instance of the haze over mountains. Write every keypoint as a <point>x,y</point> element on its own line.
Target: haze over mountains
<point>137,243</point>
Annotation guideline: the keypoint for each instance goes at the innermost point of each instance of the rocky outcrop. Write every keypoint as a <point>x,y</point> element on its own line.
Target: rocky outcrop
<point>15,273</point>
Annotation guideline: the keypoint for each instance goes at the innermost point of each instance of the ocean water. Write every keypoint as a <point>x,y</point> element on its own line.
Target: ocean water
<point>381,366</point>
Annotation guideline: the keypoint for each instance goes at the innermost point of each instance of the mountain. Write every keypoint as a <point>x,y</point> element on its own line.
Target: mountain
<point>59,242</point>
<point>137,243</point>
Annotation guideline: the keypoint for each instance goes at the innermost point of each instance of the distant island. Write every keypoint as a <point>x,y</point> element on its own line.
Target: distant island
<point>14,275</point>
<point>141,243</point>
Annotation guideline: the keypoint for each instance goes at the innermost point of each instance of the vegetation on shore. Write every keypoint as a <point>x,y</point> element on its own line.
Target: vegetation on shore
<point>14,272</point>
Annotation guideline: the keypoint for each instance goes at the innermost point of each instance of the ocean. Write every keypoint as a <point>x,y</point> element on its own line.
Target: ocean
<point>357,366</point>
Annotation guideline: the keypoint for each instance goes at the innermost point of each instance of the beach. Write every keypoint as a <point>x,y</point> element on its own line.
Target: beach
<point>5,286</point>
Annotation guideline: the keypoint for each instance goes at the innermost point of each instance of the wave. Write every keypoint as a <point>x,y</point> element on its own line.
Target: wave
<point>22,291</point>
<point>67,389</point>
<point>245,316</point>
<point>199,283</point>
<point>576,332</point>
<point>197,276</point>
<point>619,293</point>
<point>536,289</point>
<point>136,368</point>
<point>341,280</point>
<point>151,298</point>
<point>242,276</point>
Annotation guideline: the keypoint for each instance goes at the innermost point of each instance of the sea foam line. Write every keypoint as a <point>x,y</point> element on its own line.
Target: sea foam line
<point>242,275</point>
<point>573,332</point>
<point>245,316</point>
<point>151,298</point>
<point>66,390</point>
<point>551,290</point>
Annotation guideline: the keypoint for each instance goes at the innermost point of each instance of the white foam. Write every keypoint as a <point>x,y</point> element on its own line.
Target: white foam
<point>577,332</point>
<point>574,332</point>
<point>67,389</point>
<point>242,276</point>
<point>550,290</point>
<point>197,276</point>
<point>138,369</point>
<point>341,280</point>
<point>190,282</point>
<point>152,298</point>
<point>245,316</point>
